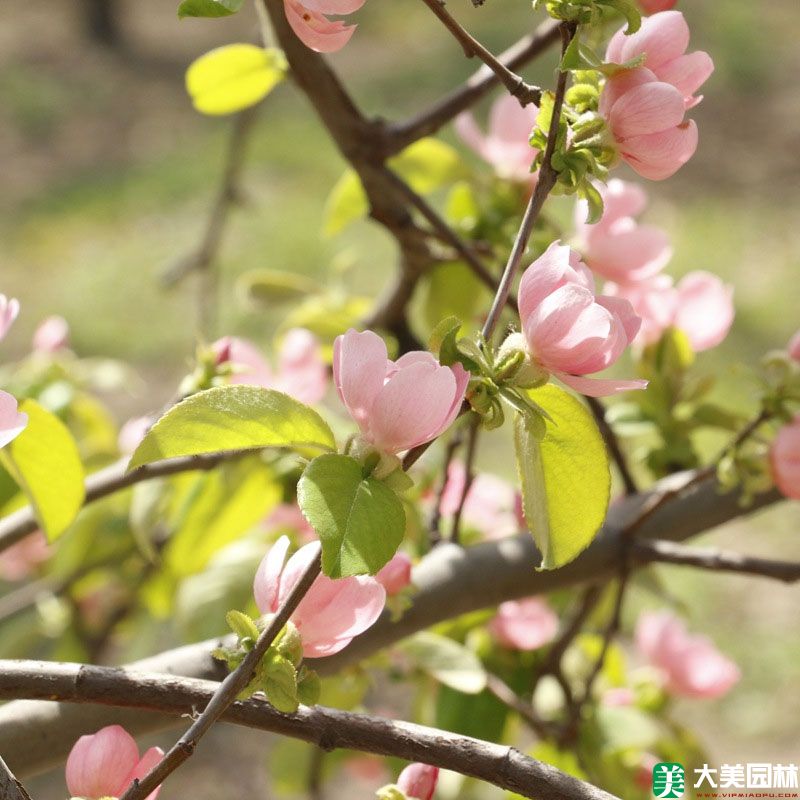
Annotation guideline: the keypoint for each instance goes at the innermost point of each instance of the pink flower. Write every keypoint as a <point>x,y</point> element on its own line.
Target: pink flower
<point>51,336</point>
<point>131,434</point>
<point>105,764</point>
<point>663,39</point>
<point>301,372</point>
<point>9,311</point>
<point>654,6</point>
<point>311,25</point>
<point>418,781</point>
<point>12,422</point>
<point>645,117</point>
<point>785,459</point>
<point>396,404</point>
<point>793,348</point>
<point>332,613</point>
<point>567,330</point>
<point>701,305</point>
<point>505,146</point>
<point>617,247</point>
<point>490,505</point>
<point>396,575</point>
<point>19,560</point>
<point>524,624</point>
<point>691,665</point>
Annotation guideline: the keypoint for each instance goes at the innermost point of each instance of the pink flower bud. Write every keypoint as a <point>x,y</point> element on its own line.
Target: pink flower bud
<point>690,665</point>
<point>332,613</point>
<point>301,371</point>
<point>20,560</point>
<point>9,311</point>
<point>654,6</point>
<point>785,459</point>
<point>106,763</point>
<point>396,575</point>
<point>418,781</point>
<point>524,624</point>
<point>12,422</point>
<point>396,404</point>
<point>570,332</point>
<point>617,247</point>
<point>793,348</point>
<point>506,146</point>
<point>311,25</point>
<point>51,336</point>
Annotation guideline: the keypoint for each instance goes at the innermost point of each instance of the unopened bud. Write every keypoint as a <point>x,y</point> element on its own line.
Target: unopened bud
<point>529,375</point>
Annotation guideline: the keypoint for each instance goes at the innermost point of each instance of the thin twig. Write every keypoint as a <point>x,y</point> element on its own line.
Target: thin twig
<point>524,92</point>
<point>547,180</point>
<point>612,444</point>
<point>227,691</point>
<point>666,552</point>
<point>10,787</point>
<point>328,728</point>
<point>469,477</point>
<point>315,765</point>
<point>435,523</point>
<point>509,698</point>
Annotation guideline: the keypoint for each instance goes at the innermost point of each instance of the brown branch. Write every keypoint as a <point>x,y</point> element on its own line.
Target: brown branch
<point>612,444</point>
<point>113,479</point>
<point>516,86</point>
<point>469,476</point>
<point>547,180</point>
<point>10,787</point>
<point>226,692</point>
<point>402,134</point>
<point>715,560</point>
<point>435,524</point>
<point>325,727</point>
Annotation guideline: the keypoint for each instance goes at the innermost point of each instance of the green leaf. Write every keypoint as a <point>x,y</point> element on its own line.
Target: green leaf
<point>452,290</point>
<point>208,8</point>
<point>233,418</point>
<point>241,625</point>
<point>566,478</point>
<point>280,684</point>
<point>444,335</point>
<point>425,166</point>
<point>45,463</point>
<point>309,687</point>
<point>360,521</point>
<point>446,660</point>
<point>234,77</point>
<point>390,792</point>
<point>267,287</point>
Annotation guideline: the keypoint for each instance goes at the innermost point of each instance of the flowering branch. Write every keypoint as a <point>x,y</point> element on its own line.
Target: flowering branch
<point>524,92</point>
<point>226,692</point>
<point>328,728</point>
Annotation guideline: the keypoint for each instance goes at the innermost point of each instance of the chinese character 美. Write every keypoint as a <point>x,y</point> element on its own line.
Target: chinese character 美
<point>706,774</point>
<point>731,775</point>
<point>785,776</point>
<point>759,776</point>
<point>668,780</point>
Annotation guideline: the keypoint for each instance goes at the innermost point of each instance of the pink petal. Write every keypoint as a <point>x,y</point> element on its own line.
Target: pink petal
<point>9,311</point>
<point>793,348</point>
<point>467,128</point>
<point>267,582</point>
<point>359,370</point>
<point>418,781</point>
<point>302,373</point>
<point>396,575</point>
<point>412,407</point>
<point>705,309</point>
<point>100,763</point>
<point>617,86</point>
<point>12,422</point>
<point>542,277</point>
<point>631,255</point>
<point>654,6</point>
<point>622,199</point>
<point>51,336</point>
<point>524,624</point>
<point>295,567</point>
<point>462,381</point>
<point>662,38</point>
<point>654,627</point>
<point>687,73</point>
<point>510,122</point>
<point>624,312</point>
<point>659,155</point>
<point>149,760</point>
<point>249,365</point>
<point>335,7</point>
<point>315,30</point>
<point>600,387</point>
<point>785,459</point>
<point>646,109</point>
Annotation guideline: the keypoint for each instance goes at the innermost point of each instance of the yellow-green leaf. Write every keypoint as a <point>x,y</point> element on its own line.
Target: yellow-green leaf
<point>565,477</point>
<point>233,418</point>
<point>45,463</point>
<point>234,77</point>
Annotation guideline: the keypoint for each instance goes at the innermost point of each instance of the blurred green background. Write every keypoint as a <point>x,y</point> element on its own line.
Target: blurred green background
<point>108,174</point>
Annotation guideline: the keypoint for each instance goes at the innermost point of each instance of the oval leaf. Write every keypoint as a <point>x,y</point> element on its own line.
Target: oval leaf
<point>360,521</point>
<point>208,8</point>
<point>45,463</point>
<point>446,660</point>
<point>566,478</point>
<point>234,77</point>
<point>233,418</point>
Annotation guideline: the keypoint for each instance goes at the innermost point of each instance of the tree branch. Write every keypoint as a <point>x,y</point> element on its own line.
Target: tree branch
<point>226,692</point>
<point>715,560</point>
<point>34,735</point>
<point>612,444</point>
<point>10,787</point>
<point>327,728</point>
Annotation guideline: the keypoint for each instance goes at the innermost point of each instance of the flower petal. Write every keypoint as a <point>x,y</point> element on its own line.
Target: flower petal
<point>600,387</point>
<point>359,370</point>
<point>99,764</point>
<point>649,108</point>
<point>659,155</point>
<point>267,582</point>
<point>315,30</point>
<point>705,309</point>
<point>12,422</point>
